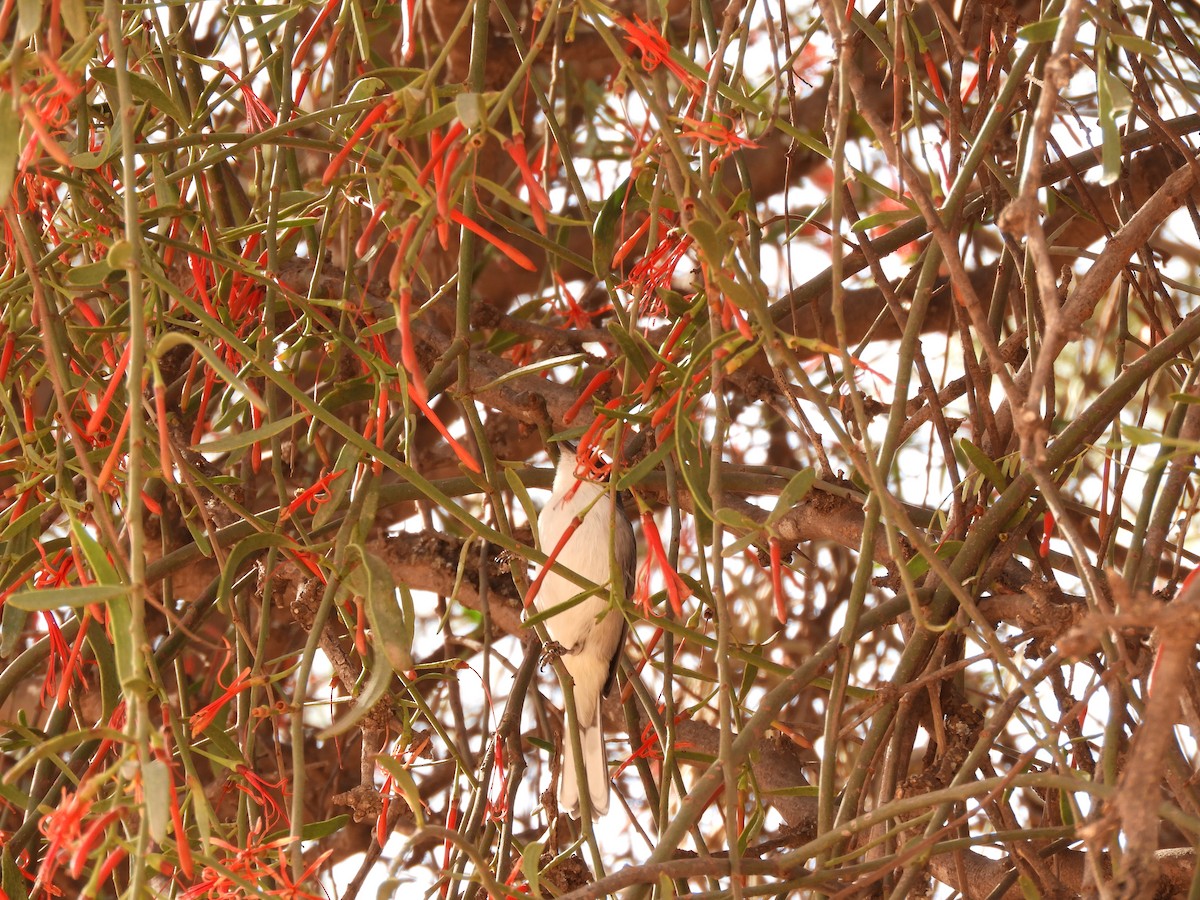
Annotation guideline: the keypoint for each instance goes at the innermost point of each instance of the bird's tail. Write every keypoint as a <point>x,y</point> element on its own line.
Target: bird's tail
<point>595,770</point>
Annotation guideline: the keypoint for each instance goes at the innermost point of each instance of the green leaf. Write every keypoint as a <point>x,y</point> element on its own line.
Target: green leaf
<point>245,438</point>
<point>89,275</point>
<point>221,749</point>
<point>471,109</point>
<point>120,255</point>
<point>984,464</point>
<point>1112,99</point>
<point>1135,44</point>
<point>531,856</point>
<point>887,217</point>
<point>29,19</point>
<point>243,550</point>
<point>10,145</point>
<point>731,518</point>
<point>36,599</point>
<point>75,18</point>
<point>97,559</point>
<point>532,369</point>
<point>630,347</point>
<point>11,878</point>
<point>521,493</point>
<point>372,581</point>
<point>376,687</point>
<point>795,491</point>
<point>174,338</point>
<point>634,475</point>
<point>1039,32</point>
<point>919,565</point>
<point>12,629</point>
<point>314,831</point>
<point>120,615</point>
<point>623,202</point>
<point>144,89</point>
<point>156,786</point>
<point>347,462</point>
<point>402,780</point>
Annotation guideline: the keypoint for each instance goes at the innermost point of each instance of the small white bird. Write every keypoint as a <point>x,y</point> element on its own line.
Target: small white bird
<point>591,631</point>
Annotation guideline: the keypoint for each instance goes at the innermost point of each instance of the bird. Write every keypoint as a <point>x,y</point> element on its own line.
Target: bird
<point>590,633</point>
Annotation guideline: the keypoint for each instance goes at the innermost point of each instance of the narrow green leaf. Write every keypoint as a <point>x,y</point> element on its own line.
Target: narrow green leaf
<point>12,629</point>
<point>402,780</point>
<point>314,831</point>
<point>37,599</point>
<point>1112,99</point>
<point>156,787</point>
<point>11,878</point>
<point>621,203</point>
<point>631,349</point>
<point>1039,32</point>
<point>919,565</point>
<point>174,339</point>
<point>347,462</point>
<point>10,145</point>
<point>243,550</point>
<point>120,615</point>
<point>887,217</point>
<point>245,438</point>
<point>1135,44</point>
<point>145,89</point>
<point>218,746</point>
<point>531,857</point>
<point>731,518</point>
<point>647,464</point>
<point>532,369</point>
<point>372,693</point>
<point>521,493</point>
<point>361,35</point>
<point>29,19</point>
<point>97,559</point>
<point>372,580</point>
<point>984,464</point>
<point>89,275</point>
<point>797,488</point>
<point>75,18</point>
<point>472,111</point>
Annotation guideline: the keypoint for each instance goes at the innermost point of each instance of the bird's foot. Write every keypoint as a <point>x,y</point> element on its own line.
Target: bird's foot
<point>551,650</point>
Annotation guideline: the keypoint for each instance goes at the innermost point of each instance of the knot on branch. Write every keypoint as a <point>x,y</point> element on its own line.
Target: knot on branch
<point>364,802</point>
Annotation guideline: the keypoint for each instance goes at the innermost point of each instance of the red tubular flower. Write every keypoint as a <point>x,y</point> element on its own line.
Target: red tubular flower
<point>64,831</point>
<point>263,792</point>
<point>598,381</point>
<point>656,51</point>
<point>6,355</point>
<point>550,559</point>
<point>507,249</point>
<point>459,450</point>
<point>368,121</point>
<point>204,717</point>
<point>777,580</point>
<point>676,588</point>
<point>408,348</point>
<point>330,7</point>
<point>656,268</point>
<point>539,201</point>
<point>313,496</point>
